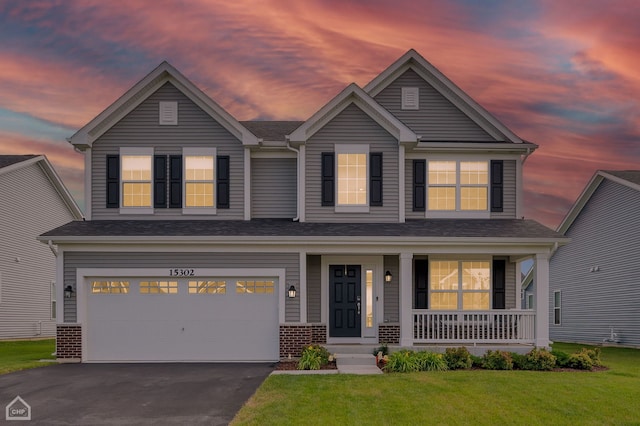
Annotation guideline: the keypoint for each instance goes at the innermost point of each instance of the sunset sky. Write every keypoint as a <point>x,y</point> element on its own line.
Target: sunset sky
<point>564,74</point>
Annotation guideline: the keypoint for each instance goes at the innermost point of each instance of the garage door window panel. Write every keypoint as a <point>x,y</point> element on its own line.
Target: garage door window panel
<point>110,287</point>
<point>255,287</point>
<point>207,287</point>
<point>158,287</point>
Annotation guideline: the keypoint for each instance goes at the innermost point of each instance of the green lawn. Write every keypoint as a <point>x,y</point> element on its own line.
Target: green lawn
<point>455,397</point>
<point>20,355</point>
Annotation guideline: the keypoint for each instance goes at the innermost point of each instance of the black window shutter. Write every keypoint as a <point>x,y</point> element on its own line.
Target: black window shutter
<point>175,181</point>
<point>160,181</point>
<point>222,185</point>
<point>422,287</point>
<point>375,179</point>
<point>113,181</point>
<point>497,167</point>
<point>328,179</point>
<point>499,282</point>
<point>419,185</point>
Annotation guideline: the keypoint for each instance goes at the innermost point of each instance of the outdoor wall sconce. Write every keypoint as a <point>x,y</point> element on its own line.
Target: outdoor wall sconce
<point>292,292</point>
<point>68,291</point>
<point>388,277</point>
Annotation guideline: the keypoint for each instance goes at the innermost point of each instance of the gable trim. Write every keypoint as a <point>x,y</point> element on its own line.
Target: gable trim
<point>353,94</point>
<point>414,61</point>
<point>137,94</point>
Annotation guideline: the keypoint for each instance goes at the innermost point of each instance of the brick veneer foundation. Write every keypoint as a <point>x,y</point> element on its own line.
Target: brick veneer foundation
<point>389,333</point>
<point>69,341</point>
<point>294,337</point>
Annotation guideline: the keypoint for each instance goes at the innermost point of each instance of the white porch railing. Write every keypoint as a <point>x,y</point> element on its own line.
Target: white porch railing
<point>494,326</point>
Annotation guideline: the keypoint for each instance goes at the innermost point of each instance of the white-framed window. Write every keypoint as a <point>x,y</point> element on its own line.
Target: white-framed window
<point>368,298</point>
<point>52,298</point>
<point>459,284</point>
<point>199,180</point>
<point>352,178</point>
<point>557,308</point>
<point>136,176</point>
<point>410,98</point>
<point>457,186</point>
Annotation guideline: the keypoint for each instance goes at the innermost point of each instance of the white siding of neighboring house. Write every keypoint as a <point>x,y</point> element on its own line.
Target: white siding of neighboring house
<point>605,234</point>
<point>352,126</point>
<point>75,259</point>
<point>195,129</point>
<point>31,206</point>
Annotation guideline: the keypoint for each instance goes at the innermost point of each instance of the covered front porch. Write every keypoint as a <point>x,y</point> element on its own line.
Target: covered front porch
<point>398,303</point>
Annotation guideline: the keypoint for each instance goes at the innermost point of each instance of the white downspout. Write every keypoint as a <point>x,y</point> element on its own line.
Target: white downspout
<point>297,151</point>
<point>53,248</point>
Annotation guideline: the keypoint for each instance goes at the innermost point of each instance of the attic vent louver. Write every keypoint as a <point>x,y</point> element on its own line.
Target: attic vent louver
<point>410,98</point>
<point>168,113</point>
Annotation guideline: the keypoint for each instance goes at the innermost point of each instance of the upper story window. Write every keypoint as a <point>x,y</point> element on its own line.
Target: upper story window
<point>351,178</point>
<point>139,181</point>
<point>136,181</point>
<point>199,178</point>
<point>457,185</point>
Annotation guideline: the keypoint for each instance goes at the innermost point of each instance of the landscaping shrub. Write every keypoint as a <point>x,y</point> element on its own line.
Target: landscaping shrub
<point>497,360</point>
<point>313,357</point>
<point>594,354</point>
<point>519,361</point>
<point>562,358</point>
<point>458,358</point>
<point>403,361</point>
<point>382,348</point>
<point>539,359</point>
<point>580,361</point>
<point>431,361</point>
<point>476,361</point>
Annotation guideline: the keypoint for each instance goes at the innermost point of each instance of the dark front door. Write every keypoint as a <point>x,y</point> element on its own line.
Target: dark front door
<point>344,301</point>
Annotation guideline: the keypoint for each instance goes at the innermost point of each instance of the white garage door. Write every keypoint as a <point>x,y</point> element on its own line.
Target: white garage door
<point>162,319</point>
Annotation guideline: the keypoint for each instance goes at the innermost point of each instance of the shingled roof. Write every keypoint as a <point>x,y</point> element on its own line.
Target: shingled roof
<point>7,160</point>
<point>430,228</point>
<point>271,130</point>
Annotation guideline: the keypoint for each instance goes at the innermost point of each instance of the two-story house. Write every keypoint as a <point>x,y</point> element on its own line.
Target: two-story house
<point>393,214</point>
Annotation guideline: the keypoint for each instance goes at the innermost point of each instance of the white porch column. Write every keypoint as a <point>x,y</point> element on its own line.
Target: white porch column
<point>541,277</point>
<point>406,306</point>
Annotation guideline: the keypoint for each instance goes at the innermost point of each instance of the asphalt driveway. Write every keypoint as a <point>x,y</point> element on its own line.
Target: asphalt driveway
<point>119,394</point>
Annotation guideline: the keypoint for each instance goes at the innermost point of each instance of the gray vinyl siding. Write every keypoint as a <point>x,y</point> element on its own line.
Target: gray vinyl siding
<point>274,187</point>
<point>606,234</point>
<point>140,128</point>
<point>392,290</point>
<point>352,126</point>
<point>437,119</point>
<point>314,289</point>
<point>509,192</point>
<point>31,206</point>
<point>290,261</point>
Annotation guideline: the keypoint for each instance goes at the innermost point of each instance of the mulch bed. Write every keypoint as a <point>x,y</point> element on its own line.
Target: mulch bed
<point>293,365</point>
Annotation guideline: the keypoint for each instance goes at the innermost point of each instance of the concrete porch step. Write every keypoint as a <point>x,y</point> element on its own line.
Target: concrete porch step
<point>354,359</point>
<point>351,349</point>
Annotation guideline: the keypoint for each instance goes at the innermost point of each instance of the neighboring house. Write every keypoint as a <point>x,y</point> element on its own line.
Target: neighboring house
<point>393,214</point>
<point>595,280</point>
<point>34,201</point>
<point>528,293</point>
